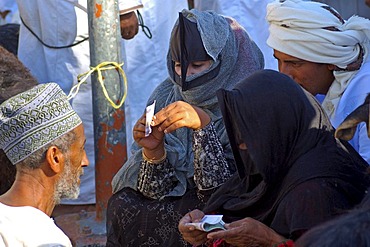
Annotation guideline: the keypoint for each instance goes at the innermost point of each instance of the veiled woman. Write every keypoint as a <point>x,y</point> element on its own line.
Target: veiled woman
<point>187,155</point>
<point>292,173</point>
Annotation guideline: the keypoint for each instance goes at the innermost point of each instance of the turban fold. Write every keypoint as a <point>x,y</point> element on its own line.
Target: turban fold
<point>34,118</point>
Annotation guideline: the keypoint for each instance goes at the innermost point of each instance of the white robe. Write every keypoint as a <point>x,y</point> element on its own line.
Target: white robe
<point>29,227</point>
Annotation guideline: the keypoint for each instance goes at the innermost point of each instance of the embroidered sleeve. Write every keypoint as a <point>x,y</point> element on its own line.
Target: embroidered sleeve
<point>156,180</point>
<point>210,166</point>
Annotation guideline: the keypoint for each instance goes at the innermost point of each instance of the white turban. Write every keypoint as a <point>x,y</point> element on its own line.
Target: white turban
<point>34,118</point>
<point>315,32</point>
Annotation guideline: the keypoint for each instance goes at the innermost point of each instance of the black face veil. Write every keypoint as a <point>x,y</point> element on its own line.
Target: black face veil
<point>187,47</point>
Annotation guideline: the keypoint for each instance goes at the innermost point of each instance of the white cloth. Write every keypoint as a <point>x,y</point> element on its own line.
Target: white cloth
<point>354,95</point>
<point>58,23</point>
<point>146,58</point>
<point>251,15</point>
<point>29,227</point>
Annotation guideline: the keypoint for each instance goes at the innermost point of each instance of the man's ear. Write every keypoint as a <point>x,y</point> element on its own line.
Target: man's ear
<point>55,159</point>
<point>331,67</point>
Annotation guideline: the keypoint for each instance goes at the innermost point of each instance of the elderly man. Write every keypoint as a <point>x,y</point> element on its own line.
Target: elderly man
<point>326,55</point>
<point>44,138</point>
<point>59,24</point>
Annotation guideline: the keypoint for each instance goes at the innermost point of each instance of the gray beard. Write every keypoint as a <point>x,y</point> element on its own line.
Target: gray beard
<point>67,187</point>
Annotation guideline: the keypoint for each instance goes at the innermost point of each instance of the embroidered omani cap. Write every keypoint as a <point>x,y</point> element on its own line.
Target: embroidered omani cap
<point>34,118</point>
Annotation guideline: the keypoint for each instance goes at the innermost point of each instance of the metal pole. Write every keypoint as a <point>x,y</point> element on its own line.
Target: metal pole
<point>109,124</point>
<point>89,228</point>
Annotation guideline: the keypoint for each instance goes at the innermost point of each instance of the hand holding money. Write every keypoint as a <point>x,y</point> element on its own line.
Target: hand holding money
<point>189,232</point>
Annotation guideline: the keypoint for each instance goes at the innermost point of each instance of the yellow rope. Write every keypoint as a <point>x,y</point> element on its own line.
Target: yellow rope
<point>101,67</point>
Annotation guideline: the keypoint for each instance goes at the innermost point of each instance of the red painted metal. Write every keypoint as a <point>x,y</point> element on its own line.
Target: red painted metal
<point>113,155</point>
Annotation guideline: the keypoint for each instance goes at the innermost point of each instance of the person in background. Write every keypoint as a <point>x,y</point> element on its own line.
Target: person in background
<point>58,24</point>
<point>292,173</point>
<point>325,54</point>
<point>187,155</point>
<point>43,137</point>
<point>146,67</point>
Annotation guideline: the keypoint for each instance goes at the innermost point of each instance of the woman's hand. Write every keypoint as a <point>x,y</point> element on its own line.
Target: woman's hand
<point>180,114</point>
<point>153,144</point>
<point>247,232</point>
<point>189,233</point>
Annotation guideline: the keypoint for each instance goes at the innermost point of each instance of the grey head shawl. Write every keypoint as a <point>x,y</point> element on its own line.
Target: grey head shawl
<point>226,42</point>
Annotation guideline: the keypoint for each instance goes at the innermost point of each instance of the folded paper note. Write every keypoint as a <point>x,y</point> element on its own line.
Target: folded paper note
<point>149,116</point>
<point>209,223</point>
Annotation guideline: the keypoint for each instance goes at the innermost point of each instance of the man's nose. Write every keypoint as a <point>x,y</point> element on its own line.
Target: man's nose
<point>85,161</point>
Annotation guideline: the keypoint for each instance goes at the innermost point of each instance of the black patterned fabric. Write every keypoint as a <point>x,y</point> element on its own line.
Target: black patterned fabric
<point>135,220</point>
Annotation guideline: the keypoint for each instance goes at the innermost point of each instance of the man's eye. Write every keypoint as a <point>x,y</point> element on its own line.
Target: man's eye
<point>296,64</point>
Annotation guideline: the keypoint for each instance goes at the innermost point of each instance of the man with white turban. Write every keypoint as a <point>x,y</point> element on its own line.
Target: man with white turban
<point>325,55</point>
<point>43,137</point>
